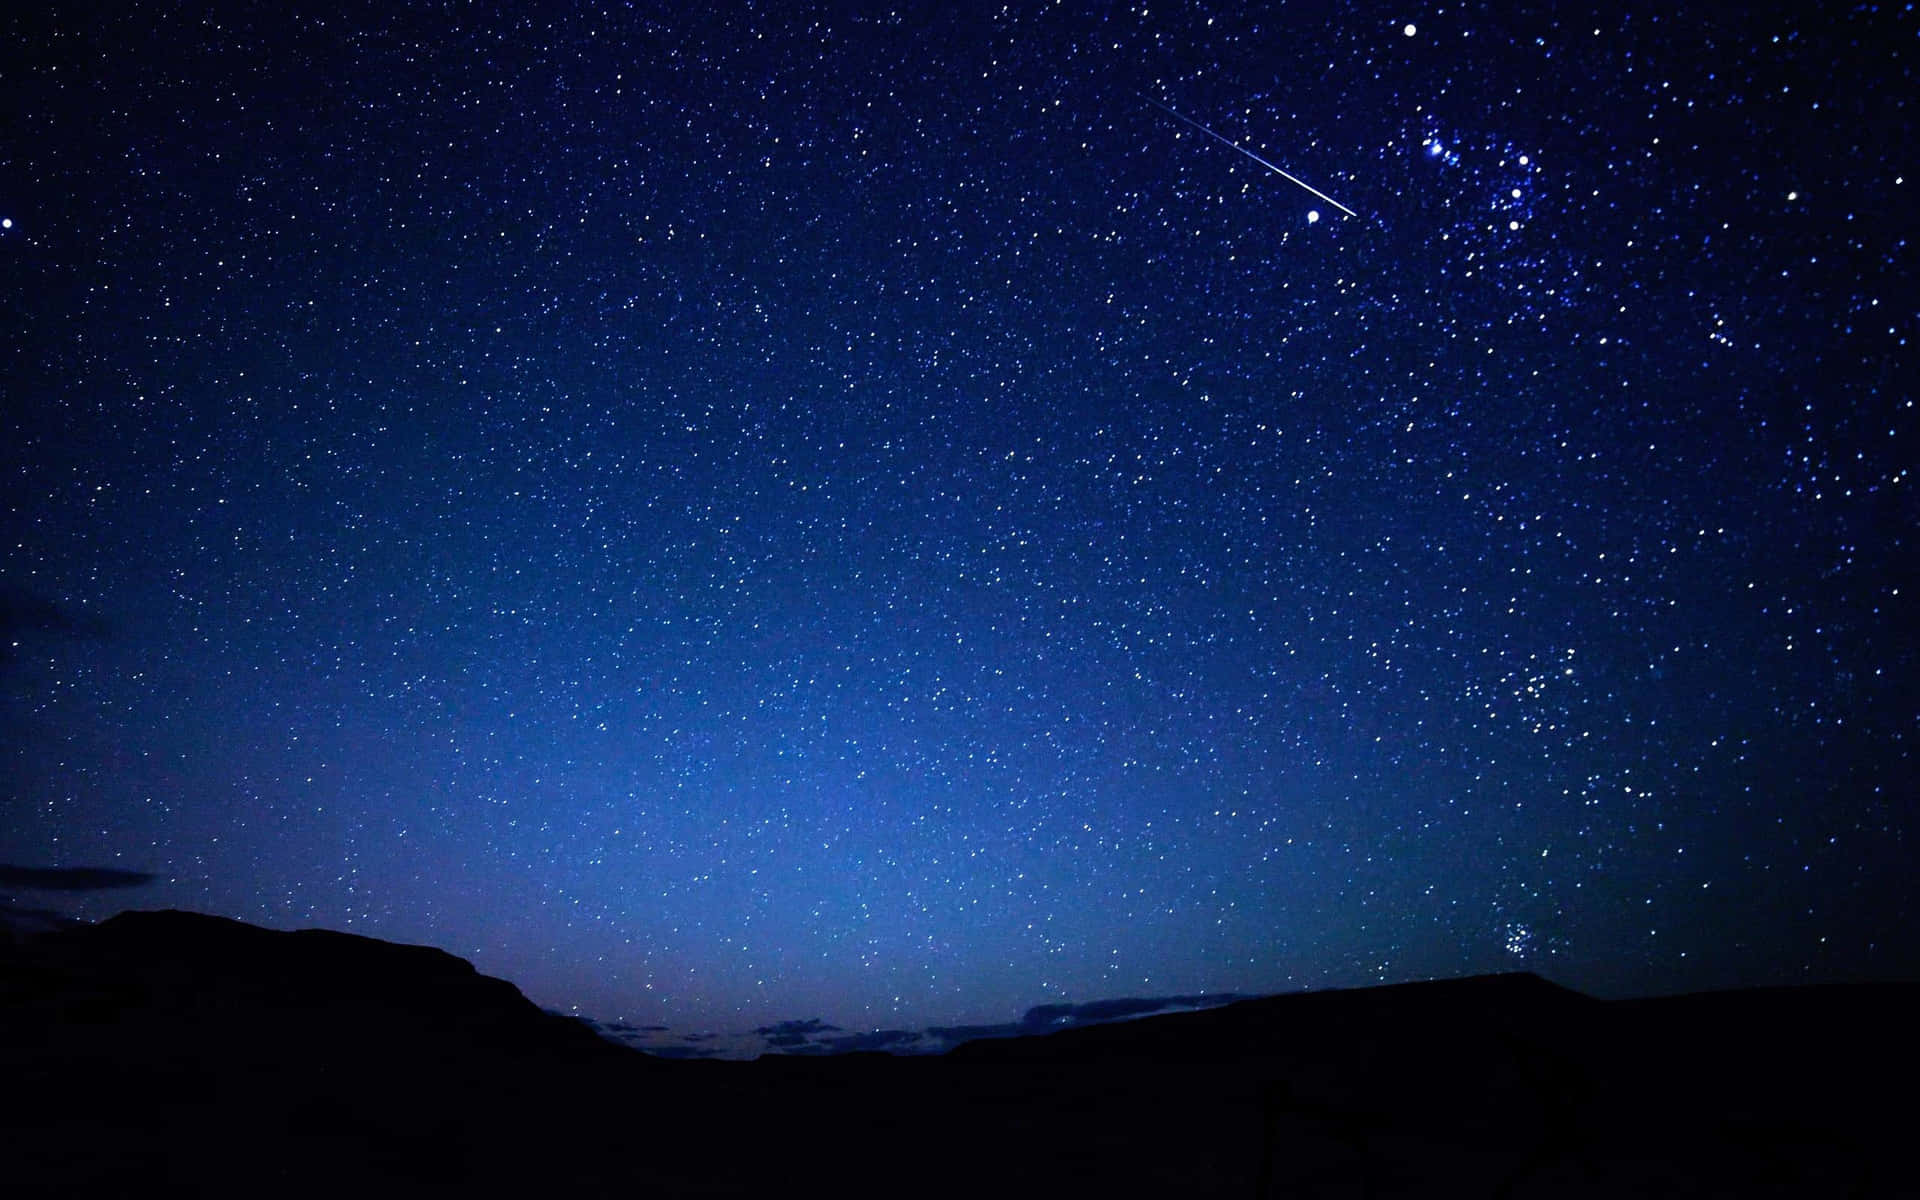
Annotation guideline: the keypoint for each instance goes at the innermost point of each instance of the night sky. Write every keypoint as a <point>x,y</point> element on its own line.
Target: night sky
<point>897,516</point>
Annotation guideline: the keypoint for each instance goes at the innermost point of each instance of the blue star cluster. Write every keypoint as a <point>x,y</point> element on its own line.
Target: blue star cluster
<point>760,511</point>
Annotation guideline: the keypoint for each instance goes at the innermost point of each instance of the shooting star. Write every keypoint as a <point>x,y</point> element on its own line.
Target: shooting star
<point>1233,145</point>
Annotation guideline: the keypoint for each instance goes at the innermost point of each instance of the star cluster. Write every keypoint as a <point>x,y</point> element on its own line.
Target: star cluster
<point>756,512</point>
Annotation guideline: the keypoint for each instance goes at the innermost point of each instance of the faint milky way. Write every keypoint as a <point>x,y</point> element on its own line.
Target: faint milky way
<point>743,514</point>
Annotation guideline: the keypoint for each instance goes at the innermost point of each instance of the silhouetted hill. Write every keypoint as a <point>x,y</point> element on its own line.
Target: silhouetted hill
<point>1784,1091</point>
<point>1292,1025</point>
<point>182,1054</point>
<point>211,978</point>
<point>177,1054</point>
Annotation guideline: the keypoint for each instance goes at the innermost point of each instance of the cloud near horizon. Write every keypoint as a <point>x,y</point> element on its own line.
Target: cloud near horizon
<point>72,879</point>
<point>814,1036</point>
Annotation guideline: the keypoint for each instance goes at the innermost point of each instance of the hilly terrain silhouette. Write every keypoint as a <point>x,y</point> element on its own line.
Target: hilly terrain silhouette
<point>171,1053</point>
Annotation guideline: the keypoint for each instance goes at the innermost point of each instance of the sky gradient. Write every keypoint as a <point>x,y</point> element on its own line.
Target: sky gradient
<point>899,516</point>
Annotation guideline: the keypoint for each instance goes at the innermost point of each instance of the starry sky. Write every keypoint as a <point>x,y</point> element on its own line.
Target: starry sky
<point>749,512</point>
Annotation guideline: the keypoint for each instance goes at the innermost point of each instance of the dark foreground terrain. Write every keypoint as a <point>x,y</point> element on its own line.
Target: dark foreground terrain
<point>176,1054</point>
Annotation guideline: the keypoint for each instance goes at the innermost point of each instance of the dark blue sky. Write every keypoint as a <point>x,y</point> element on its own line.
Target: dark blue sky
<point>840,512</point>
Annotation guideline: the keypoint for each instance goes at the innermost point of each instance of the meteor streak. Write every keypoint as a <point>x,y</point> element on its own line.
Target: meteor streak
<point>1233,145</point>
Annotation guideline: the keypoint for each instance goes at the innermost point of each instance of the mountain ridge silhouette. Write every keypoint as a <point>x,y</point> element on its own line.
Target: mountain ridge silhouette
<point>180,1054</point>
